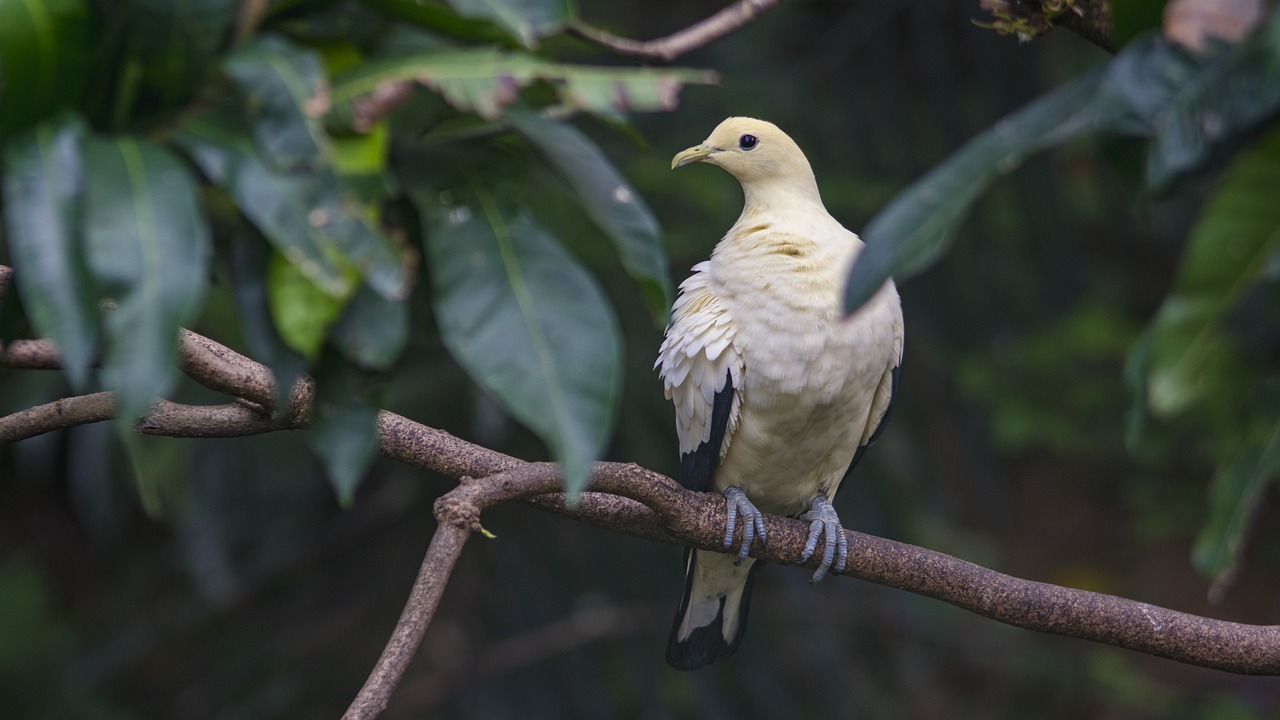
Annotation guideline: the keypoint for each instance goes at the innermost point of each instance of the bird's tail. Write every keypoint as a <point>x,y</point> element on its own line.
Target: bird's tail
<point>713,610</point>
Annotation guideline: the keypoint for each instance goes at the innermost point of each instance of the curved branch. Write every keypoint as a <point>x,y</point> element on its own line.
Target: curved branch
<point>673,46</point>
<point>629,499</point>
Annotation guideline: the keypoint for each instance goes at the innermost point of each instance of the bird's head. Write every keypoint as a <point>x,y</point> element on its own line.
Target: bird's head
<point>751,150</point>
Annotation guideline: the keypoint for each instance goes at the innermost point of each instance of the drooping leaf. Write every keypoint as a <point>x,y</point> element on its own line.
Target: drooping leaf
<point>148,247</point>
<point>610,201</point>
<point>302,312</point>
<point>529,324</point>
<point>527,20</point>
<point>44,50</point>
<point>1236,235</point>
<point>343,431</point>
<point>485,80</point>
<point>372,330</point>
<point>286,93</point>
<point>915,228</point>
<point>1234,493</point>
<point>310,215</point>
<point>43,187</point>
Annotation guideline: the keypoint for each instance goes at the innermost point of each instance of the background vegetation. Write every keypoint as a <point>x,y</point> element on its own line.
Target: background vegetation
<point>1089,395</point>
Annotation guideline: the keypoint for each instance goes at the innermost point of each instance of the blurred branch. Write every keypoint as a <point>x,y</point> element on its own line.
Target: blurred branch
<point>673,46</point>
<point>628,499</point>
<point>1090,19</point>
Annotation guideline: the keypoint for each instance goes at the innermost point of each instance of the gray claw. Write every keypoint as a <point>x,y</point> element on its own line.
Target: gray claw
<point>738,503</point>
<point>824,521</point>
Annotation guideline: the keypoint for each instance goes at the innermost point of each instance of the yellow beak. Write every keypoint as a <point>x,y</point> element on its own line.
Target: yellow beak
<point>693,154</point>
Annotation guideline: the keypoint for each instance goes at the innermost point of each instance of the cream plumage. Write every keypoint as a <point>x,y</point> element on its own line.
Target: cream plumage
<point>776,393</point>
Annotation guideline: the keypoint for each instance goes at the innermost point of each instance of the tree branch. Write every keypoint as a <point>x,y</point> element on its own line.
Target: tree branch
<point>673,46</point>
<point>629,499</point>
<point>1090,19</point>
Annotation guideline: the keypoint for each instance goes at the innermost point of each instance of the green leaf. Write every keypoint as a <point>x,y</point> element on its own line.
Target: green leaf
<point>302,312</point>
<point>44,51</point>
<point>485,80</point>
<point>527,20</point>
<point>173,44</point>
<point>610,201</point>
<point>1237,234</point>
<point>43,185</point>
<point>364,154</point>
<point>1131,17</point>
<point>276,203</point>
<point>529,324</point>
<point>1194,107</point>
<point>1234,493</point>
<point>343,432</point>
<point>372,330</point>
<point>1191,107</point>
<point>286,93</point>
<point>915,228</point>
<point>438,15</point>
<point>311,216</point>
<point>148,249</point>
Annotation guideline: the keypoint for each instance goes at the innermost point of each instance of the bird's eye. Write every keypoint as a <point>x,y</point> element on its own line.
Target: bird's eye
<point>746,142</point>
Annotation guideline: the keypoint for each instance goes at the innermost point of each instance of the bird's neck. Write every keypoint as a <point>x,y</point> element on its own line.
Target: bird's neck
<point>780,195</point>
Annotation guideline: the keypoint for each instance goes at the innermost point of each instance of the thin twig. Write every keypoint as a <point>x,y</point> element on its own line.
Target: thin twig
<point>458,514</point>
<point>673,46</point>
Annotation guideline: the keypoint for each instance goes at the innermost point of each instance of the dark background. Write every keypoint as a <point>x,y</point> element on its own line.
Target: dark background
<point>259,598</point>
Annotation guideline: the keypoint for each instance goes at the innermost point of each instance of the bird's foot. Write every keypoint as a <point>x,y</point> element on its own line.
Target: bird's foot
<point>824,522</point>
<point>754,519</point>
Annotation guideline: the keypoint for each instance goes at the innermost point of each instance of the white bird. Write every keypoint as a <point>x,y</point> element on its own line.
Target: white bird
<point>777,394</point>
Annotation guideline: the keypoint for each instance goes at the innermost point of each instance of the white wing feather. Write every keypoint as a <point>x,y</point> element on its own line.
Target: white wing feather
<point>695,359</point>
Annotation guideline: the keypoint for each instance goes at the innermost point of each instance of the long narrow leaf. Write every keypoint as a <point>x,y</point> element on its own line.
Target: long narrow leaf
<point>148,247</point>
<point>1237,234</point>
<point>43,185</point>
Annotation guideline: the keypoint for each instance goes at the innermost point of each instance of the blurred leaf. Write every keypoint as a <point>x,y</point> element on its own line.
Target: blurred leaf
<point>43,186</point>
<point>1234,494</point>
<point>528,323</point>
<point>343,431</point>
<point>610,201</point>
<point>158,465</point>
<point>364,154</point>
<point>527,20</point>
<point>302,312</point>
<point>286,93</point>
<point>171,47</point>
<point>372,330</point>
<point>484,80</point>
<point>250,263</point>
<point>147,246</point>
<point>310,215</point>
<point>44,50</point>
<point>1237,234</point>
<point>1194,108</point>
<point>915,228</point>
<point>278,204</point>
<point>438,15</point>
<point>1131,17</point>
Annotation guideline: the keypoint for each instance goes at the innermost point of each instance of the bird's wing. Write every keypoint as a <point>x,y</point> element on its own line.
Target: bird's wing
<point>882,401</point>
<point>702,372</point>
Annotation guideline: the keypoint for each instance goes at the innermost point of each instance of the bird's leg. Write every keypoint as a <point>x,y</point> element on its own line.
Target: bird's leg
<point>739,504</point>
<point>824,521</point>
